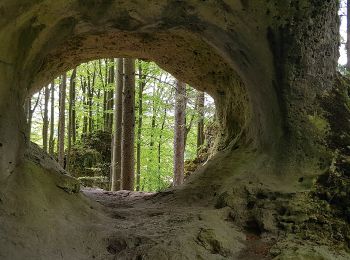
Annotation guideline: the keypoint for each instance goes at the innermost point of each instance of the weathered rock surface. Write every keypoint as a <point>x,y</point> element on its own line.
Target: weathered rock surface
<point>283,131</point>
<point>62,179</point>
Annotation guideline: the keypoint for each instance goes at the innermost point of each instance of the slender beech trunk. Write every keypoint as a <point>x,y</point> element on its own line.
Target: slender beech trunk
<point>139,126</point>
<point>74,113</point>
<point>117,138</point>
<point>153,121</point>
<point>110,102</point>
<point>62,120</point>
<point>111,105</point>
<point>89,90</point>
<point>85,103</point>
<point>89,101</point>
<point>179,135</point>
<point>46,118</point>
<point>105,97</point>
<point>160,143</point>
<point>98,121</point>
<point>58,122</point>
<point>200,124</point>
<point>111,99</point>
<point>28,108</point>
<point>102,105</point>
<point>188,126</point>
<point>30,112</point>
<point>52,120</point>
<point>71,119</point>
<point>104,109</point>
<point>102,78</point>
<point>128,125</point>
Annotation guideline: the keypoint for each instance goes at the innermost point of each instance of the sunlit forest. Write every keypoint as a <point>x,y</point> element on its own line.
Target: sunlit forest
<point>89,108</point>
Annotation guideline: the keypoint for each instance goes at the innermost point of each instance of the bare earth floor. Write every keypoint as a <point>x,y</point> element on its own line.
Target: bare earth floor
<point>146,226</point>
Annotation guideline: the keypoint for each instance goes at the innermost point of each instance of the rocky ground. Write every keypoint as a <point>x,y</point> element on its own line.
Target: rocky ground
<point>241,215</point>
<point>145,228</point>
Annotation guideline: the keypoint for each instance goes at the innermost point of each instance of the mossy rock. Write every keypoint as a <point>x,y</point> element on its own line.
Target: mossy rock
<point>38,160</point>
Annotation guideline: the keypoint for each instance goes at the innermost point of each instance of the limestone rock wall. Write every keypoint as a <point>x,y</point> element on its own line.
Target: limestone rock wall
<point>270,66</point>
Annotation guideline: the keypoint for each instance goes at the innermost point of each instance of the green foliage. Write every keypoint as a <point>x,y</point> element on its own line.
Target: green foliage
<point>91,154</point>
<point>99,141</point>
<point>84,161</point>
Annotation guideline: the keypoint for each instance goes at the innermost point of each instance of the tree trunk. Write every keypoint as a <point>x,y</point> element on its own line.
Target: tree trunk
<point>90,90</point>
<point>190,123</point>
<point>117,138</point>
<point>62,120</point>
<point>30,111</point>
<point>52,119</point>
<point>200,124</point>
<point>139,127</point>
<point>128,125</point>
<point>179,135</point>
<point>160,143</point>
<point>71,116</point>
<point>92,100</point>
<point>105,95</point>
<point>154,112</point>
<point>104,109</point>
<point>98,121</point>
<point>74,114</point>
<point>46,118</point>
<point>110,103</point>
<point>85,103</point>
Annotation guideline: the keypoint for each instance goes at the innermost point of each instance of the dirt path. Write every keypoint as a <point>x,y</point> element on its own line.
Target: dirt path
<point>143,228</point>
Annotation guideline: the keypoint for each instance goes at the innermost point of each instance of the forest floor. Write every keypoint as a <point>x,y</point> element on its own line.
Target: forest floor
<point>147,228</point>
<point>43,212</point>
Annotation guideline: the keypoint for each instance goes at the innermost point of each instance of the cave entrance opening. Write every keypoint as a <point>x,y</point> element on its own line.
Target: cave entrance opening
<point>90,109</point>
<point>229,65</point>
<point>192,61</point>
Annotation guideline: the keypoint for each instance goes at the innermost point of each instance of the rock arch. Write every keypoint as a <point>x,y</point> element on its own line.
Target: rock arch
<point>269,73</point>
<point>189,42</point>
